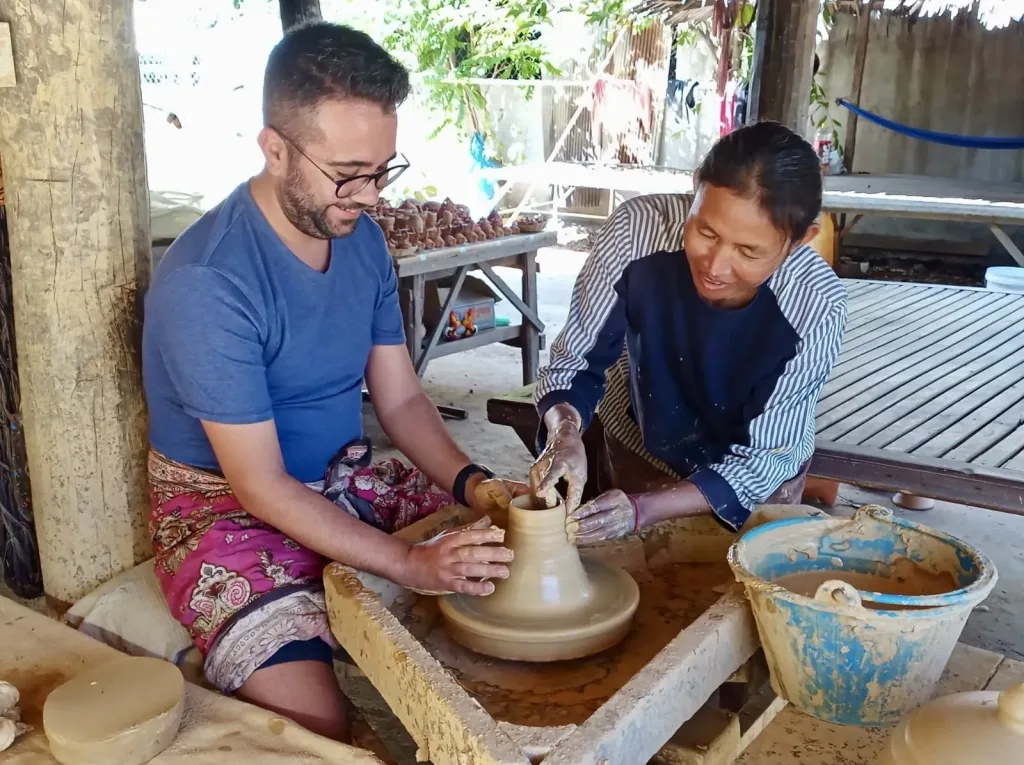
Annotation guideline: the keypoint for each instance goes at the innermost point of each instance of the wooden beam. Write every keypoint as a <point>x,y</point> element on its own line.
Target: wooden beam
<point>71,136</point>
<point>295,12</point>
<point>786,31</point>
<point>859,61</point>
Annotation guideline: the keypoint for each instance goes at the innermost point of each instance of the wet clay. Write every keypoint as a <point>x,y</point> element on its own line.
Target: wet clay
<point>906,578</point>
<point>122,713</point>
<point>554,606</point>
<point>672,597</point>
<point>983,727</point>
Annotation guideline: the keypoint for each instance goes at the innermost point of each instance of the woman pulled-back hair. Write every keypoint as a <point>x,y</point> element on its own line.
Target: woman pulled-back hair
<point>701,331</point>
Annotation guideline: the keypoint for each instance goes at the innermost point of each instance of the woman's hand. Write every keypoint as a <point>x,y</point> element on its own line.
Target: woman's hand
<point>613,515</point>
<point>563,457</point>
<point>452,561</point>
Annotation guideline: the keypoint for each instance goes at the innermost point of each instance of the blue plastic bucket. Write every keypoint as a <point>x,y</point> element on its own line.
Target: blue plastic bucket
<point>859,656</point>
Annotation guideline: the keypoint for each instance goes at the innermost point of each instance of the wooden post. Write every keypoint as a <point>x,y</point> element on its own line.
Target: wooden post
<point>785,32</point>
<point>860,59</point>
<point>294,12</point>
<point>71,136</point>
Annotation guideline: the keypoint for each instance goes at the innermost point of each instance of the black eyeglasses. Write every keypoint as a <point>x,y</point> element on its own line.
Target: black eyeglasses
<point>354,183</point>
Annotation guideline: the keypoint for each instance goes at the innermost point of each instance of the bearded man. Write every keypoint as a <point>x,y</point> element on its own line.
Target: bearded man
<point>263,321</point>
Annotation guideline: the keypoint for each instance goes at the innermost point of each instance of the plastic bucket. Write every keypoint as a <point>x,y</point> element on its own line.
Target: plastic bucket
<point>859,656</point>
<point>1005,279</point>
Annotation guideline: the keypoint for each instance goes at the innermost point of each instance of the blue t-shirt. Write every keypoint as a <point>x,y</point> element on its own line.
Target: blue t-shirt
<point>239,330</point>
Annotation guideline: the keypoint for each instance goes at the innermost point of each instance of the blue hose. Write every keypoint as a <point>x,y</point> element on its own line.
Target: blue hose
<point>478,153</point>
<point>947,139</point>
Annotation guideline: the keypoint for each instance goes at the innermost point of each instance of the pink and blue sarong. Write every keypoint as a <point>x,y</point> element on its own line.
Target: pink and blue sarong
<point>241,587</point>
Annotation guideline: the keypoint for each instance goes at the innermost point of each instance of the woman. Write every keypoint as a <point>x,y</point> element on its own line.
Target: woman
<point>700,333</point>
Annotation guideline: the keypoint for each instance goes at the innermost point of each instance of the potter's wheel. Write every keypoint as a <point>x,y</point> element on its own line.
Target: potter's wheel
<point>553,606</point>
<point>599,624</point>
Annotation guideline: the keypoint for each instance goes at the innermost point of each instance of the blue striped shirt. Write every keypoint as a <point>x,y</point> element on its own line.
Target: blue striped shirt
<point>723,398</point>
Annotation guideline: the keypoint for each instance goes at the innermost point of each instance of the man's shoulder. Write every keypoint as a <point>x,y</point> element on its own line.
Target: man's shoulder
<point>210,243</point>
<point>808,290</point>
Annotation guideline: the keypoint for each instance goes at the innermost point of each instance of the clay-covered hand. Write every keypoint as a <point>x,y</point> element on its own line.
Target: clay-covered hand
<point>563,457</point>
<point>460,560</point>
<point>495,494</point>
<point>613,515</point>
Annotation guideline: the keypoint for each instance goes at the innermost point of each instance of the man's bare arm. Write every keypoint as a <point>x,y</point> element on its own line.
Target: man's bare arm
<point>410,418</point>
<point>250,458</point>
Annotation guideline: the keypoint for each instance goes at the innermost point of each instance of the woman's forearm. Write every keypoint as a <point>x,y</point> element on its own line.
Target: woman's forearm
<point>677,501</point>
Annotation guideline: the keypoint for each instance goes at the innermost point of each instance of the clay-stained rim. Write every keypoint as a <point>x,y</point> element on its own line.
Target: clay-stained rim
<point>928,605</point>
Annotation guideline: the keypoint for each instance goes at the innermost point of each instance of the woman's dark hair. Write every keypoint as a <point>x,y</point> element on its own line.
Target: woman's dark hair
<point>319,60</point>
<point>771,163</point>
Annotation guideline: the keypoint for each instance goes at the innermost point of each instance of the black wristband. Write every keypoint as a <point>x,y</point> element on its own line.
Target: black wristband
<point>459,486</point>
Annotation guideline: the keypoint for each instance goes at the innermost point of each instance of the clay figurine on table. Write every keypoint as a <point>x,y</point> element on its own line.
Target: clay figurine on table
<point>262,323</point>
<point>717,327</point>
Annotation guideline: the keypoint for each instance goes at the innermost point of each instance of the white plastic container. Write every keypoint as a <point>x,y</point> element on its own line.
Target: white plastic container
<point>1005,279</point>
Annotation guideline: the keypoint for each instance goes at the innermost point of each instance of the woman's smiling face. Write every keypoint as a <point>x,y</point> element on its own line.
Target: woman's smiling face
<point>732,245</point>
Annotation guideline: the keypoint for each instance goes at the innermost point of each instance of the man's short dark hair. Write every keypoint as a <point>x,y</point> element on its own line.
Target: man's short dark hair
<point>318,61</point>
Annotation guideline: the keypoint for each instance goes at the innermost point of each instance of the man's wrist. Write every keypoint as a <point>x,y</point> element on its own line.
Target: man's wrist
<point>471,476</point>
<point>399,567</point>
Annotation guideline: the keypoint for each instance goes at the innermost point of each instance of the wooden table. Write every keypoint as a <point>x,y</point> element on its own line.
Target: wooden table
<point>910,196</point>
<point>927,396</point>
<point>905,196</point>
<point>519,251</point>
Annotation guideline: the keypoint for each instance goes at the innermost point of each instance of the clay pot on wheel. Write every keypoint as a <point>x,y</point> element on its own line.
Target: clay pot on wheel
<point>980,728</point>
<point>553,606</point>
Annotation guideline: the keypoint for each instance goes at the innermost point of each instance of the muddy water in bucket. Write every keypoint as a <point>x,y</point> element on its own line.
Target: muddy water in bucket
<point>858,617</point>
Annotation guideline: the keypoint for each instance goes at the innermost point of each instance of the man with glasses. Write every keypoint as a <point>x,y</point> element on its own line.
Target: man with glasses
<point>262,323</point>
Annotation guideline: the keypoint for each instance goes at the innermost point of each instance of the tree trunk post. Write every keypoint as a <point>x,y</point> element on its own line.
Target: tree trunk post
<point>71,137</point>
<point>859,61</point>
<point>295,12</point>
<point>785,34</point>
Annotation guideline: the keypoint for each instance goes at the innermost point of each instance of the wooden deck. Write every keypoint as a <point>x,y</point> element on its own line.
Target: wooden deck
<point>927,396</point>
<point>931,380</point>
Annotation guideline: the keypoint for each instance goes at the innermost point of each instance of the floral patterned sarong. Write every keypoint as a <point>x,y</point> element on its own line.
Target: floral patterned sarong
<point>241,587</point>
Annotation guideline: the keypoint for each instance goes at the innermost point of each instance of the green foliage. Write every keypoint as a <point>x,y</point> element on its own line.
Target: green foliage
<point>450,40</point>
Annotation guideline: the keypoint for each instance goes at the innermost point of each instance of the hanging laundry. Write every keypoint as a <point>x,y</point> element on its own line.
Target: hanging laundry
<point>681,95</point>
<point>727,110</point>
<point>618,108</point>
<point>739,110</point>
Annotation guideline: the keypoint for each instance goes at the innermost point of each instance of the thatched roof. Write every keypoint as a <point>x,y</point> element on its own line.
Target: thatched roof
<point>992,13</point>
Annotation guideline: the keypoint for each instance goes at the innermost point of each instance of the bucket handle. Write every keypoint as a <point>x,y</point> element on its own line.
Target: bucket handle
<point>836,592</point>
<point>875,512</point>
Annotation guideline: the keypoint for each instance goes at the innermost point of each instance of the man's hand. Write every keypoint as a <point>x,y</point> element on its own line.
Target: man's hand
<point>563,457</point>
<point>451,562</point>
<point>493,494</point>
<point>612,515</point>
